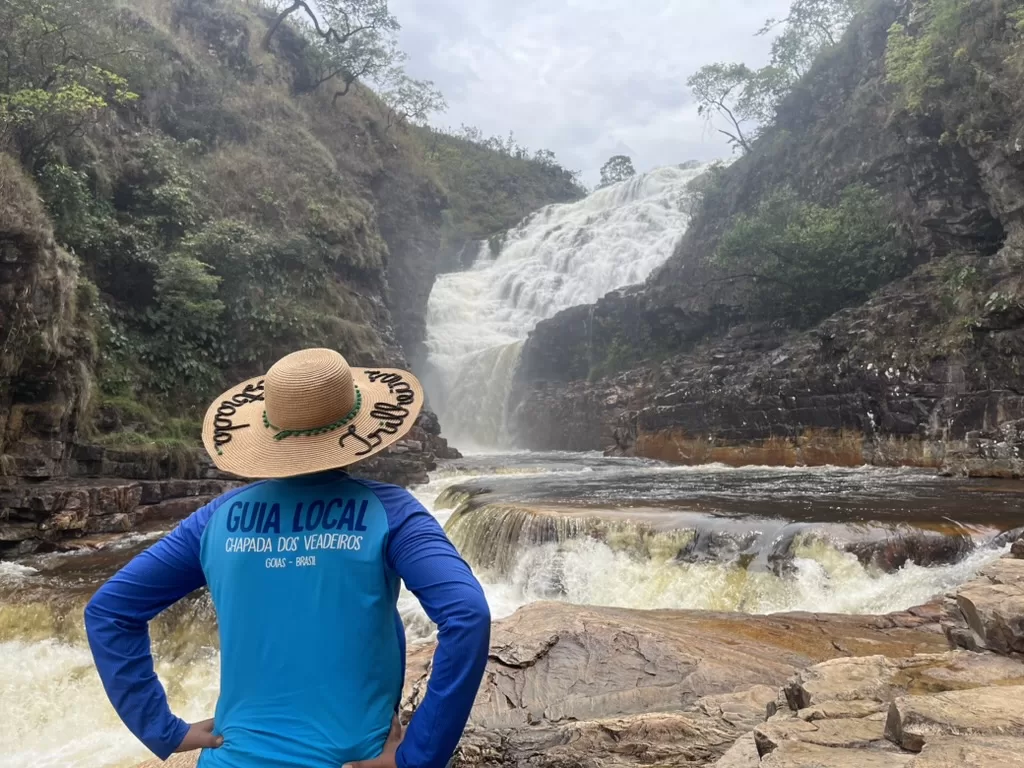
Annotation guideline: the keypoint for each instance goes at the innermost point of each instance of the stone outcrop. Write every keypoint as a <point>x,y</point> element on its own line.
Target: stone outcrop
<point>988,612</point>
<point>56,515</point>
<point>45,351</point>
<point>977,712</point>
<point>569,686</point>
<point>115,491</point>
<point>924,374</point>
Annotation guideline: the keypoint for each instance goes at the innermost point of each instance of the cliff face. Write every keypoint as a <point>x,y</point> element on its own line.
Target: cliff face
<point>927,372</point>
<point>47,351</point>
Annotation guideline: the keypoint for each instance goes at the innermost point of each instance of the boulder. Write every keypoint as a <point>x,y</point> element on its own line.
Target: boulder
<point>914,720</point>
<point>848,733</point>
<point>992,606</point>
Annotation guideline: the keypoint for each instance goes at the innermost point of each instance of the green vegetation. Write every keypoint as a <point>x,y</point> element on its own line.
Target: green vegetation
<point>62,78</point>
<point>193,157</point>
<point>912,63</point>
<point>804,261</point>
<point>744,99</point>
<point>494,183</point>
<point>959,61</point>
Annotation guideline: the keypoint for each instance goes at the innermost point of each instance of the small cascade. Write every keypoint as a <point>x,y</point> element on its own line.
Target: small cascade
<point>562,256</point>
<point>606,557</point>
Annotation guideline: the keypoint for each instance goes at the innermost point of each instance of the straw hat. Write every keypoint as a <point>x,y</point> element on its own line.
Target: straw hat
<point>310,413</point>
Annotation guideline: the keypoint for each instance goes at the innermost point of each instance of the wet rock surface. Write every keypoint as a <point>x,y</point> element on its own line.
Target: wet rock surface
<point>568,685</point>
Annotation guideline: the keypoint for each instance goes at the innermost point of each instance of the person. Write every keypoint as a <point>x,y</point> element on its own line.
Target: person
<point>304,568</point>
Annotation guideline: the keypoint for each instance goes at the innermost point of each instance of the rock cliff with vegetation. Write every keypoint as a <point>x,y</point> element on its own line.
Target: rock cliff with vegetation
<point>850,288</point>
<point>188,191</point>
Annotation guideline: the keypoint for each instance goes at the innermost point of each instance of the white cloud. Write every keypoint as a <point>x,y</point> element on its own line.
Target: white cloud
<point>584,78</point>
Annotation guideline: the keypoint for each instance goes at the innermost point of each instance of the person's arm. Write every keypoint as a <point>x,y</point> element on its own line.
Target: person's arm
<point>116,623</point>
<point>421,554</point>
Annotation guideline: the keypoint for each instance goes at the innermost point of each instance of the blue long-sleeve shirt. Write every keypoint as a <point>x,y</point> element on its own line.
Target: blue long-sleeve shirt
<point>304,575</point>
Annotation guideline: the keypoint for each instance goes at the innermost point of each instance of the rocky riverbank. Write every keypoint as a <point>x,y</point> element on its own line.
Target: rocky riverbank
<point>79,500</point>
<point>574,686</point>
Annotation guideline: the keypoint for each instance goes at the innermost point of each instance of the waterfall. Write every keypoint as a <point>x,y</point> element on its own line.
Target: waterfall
<point>559,257</point>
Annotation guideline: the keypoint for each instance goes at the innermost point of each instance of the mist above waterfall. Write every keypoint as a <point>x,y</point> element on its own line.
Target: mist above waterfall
<point>559,257</point>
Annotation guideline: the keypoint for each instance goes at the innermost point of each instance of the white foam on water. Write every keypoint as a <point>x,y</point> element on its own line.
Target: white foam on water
<point>560,257</point>
<point>15,572</point>
<point>55,714</point>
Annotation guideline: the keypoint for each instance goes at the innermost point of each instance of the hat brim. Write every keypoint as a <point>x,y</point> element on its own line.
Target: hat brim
<point>240,440</point>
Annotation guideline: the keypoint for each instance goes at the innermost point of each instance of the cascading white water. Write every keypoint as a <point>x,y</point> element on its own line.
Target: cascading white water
<point>560,257</point>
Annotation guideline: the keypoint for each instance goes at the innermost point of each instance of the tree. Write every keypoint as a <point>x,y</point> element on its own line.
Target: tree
<point>364,58</point>
<point>804,261</point>
<point>349,40</point>
<point>810,27</point>
<point>722,90</point>
<point>340,21</point>
<point>618,168</point>
<point>748,99</point>
<point>58,63</point>
<point>409,100</point>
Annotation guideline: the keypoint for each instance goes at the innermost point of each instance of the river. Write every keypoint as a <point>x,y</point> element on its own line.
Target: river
<point>578,528</point>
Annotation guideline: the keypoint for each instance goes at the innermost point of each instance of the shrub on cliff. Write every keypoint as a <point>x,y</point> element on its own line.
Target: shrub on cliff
<point>961,61</point>
<point>803,261</point>
<point>492,184</point>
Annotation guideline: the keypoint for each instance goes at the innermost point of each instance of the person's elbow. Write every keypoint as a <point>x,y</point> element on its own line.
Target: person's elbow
<point>479,612</point>
<point>100,615</point>
<point>477,621</point>
<point>95,613</point>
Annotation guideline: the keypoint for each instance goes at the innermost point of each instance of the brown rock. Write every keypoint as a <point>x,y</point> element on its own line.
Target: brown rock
<point>797,754</point>
<point>562,677</point>
<point>993,608</point>
<point>996,711</point>
<point>851,733</point>
<point>742,754</point>
<point>970,751</point>
<point>1017,549</point>
<point>862,683</point>
<point>552,661</point>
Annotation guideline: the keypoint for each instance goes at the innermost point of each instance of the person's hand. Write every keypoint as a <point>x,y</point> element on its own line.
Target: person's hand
<point>387,757</point>
<point>200,736</point>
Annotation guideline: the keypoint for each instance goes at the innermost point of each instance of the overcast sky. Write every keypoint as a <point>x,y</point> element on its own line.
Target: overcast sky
<point>585,78</point>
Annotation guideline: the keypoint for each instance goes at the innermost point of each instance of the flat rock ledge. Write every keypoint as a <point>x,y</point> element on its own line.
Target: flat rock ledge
<point>569,686</point>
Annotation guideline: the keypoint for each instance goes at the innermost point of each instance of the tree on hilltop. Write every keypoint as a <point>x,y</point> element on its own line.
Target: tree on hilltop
<point>618,168</point>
